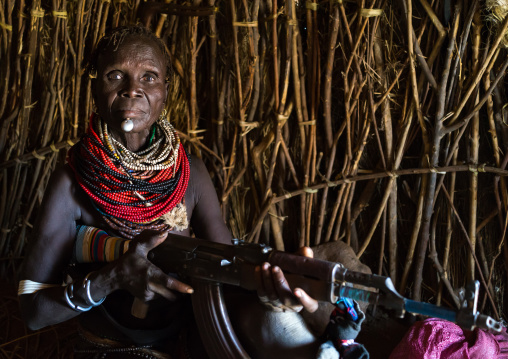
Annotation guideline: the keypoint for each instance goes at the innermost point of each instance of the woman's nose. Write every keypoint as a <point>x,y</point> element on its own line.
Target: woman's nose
<point>131,88</point>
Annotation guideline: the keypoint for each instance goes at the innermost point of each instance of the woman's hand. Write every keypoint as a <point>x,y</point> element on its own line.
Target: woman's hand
<point>141,277</point>
<point>274,290</point>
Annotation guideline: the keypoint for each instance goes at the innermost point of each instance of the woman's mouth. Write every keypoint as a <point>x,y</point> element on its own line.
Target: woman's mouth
<point>129,113</point>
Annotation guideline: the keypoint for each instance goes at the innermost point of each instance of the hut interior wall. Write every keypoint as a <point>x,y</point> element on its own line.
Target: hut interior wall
<point>379,123</point>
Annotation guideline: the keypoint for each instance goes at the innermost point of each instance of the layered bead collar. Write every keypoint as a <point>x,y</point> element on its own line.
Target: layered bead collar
<point>133,191</point>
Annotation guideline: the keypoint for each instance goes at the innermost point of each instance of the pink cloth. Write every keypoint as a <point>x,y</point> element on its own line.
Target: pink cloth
<point>439,339</point>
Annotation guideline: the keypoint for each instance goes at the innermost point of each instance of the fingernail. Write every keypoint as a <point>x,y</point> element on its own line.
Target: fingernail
<point>276,269</point>
<point>298,293</point>
<point>190,290</point>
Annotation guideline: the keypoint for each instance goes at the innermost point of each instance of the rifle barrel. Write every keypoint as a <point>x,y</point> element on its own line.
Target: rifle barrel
<point>430,310</point>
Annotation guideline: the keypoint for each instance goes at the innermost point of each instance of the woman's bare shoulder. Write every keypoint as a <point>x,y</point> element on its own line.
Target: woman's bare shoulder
<point>62,178</point>
<point>198,168</point>
<point>62,186</point>
<point>65,198</point>
<point>52,237</point>
<point>200,182</point>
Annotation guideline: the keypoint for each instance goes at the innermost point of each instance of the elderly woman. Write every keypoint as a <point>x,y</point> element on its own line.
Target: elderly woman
<point>131,177</point>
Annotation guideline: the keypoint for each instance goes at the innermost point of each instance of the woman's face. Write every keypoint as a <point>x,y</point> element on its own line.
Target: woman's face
<point>131,84</point>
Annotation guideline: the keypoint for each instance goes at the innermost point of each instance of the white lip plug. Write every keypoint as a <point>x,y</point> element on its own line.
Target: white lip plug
<point>127,125</point>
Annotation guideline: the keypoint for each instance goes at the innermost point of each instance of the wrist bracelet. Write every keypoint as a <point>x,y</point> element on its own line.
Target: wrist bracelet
<point>69,293</point>
<point>86,285</point>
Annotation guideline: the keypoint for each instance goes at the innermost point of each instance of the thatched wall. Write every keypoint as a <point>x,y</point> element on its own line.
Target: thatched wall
<point>379,123</point>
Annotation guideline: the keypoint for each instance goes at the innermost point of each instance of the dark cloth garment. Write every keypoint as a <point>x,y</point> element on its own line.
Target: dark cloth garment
<point>102,323</point>
<point>185,345</point>
<point>353,351</point>
<point>90,346</point>
<point>102,336</point>
<point>345,324</point>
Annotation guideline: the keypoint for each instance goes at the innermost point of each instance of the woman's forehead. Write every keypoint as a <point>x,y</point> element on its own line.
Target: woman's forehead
<point>132,50</point>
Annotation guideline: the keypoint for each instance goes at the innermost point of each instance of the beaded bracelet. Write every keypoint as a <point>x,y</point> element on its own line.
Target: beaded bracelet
<point>69,293</point>
<point>86,285</point>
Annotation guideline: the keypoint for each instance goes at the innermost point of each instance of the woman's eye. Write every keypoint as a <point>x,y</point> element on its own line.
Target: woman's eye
<point>114,75</point>
<point>150,77</point>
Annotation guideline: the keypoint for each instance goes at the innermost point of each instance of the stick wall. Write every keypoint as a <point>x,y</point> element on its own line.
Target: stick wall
<point>379,123</point>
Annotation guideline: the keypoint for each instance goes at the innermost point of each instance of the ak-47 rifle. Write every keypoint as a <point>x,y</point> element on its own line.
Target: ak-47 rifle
<point>208,265</point>
<point>217,263</point>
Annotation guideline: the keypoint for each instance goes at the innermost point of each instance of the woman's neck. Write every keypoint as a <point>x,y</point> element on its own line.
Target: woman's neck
<point>132,141</point>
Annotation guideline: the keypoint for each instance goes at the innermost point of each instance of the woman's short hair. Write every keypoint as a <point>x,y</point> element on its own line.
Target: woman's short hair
<point>112,40</point>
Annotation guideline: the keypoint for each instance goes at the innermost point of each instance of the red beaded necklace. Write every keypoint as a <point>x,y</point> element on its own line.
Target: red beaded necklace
<point>132,191</point>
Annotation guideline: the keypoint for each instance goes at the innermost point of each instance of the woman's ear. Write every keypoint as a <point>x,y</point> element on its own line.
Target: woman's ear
<point>93,83</point>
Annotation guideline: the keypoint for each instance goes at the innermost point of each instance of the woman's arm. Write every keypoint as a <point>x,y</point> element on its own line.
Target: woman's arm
<point>48,253</point>
<point>206,216</point>
<point>50,250</point>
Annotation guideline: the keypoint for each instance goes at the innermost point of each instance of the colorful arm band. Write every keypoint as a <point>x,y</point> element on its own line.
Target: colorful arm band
<point>95,245</point>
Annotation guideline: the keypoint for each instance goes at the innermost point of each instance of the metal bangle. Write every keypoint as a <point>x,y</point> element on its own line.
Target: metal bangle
<point>86,285</point>
<point>69,293</point>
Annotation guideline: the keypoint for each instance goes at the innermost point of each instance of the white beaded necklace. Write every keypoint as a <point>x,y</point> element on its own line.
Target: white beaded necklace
<point>160,155</point>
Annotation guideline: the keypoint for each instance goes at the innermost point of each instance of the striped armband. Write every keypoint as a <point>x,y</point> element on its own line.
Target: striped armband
<point>95,245</point>
<point>26,286</point>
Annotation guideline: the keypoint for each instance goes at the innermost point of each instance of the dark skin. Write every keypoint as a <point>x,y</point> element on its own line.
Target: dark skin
<point>131,84</point>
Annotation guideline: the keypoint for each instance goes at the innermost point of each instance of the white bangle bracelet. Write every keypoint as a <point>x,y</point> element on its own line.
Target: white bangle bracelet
<point>86,285</point>
<point>68,296</point>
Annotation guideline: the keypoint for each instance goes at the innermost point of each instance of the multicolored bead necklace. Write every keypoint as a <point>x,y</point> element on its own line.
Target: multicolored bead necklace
<point>132,190</point>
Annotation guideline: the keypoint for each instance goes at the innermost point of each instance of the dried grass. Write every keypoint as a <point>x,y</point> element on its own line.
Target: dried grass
<point>496,13</point>
<point>345,132</point>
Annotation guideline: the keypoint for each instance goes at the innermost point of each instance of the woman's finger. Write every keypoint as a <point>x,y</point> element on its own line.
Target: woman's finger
<point>305,252</point>
<point>161,283</point>
<point>169,288</point>
<point>162,291</point>
<point>267,282</point>
<point>258,278</point>
<point>148,240</point>
<point>282,287</point>
<point>309,303</point>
